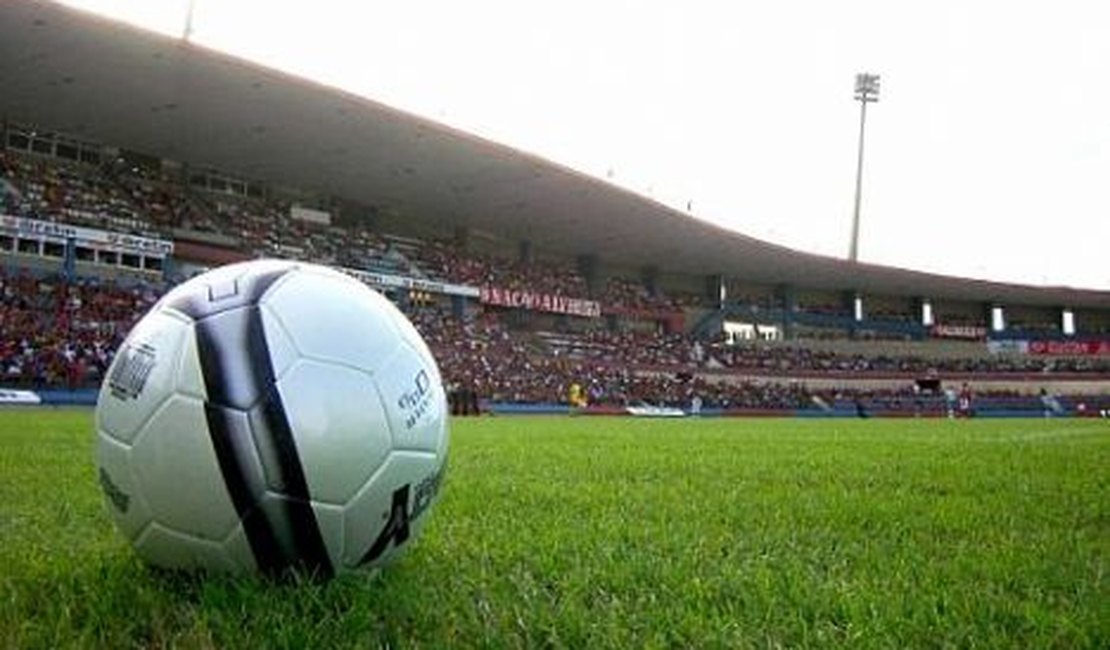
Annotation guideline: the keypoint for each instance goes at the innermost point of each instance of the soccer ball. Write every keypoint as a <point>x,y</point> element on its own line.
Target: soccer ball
<point>271,416</point>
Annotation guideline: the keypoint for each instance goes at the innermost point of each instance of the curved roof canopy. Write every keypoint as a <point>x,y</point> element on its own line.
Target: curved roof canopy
<point>99,79</point>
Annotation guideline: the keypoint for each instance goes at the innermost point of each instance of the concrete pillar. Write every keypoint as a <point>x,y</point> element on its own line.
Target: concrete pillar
<point>167,268</point>
<point>787,297</point>
<point>525,255</point>
<point>925,312</point>
<point>649,276</point>
<point>996,319</point>
<point>715,289</point>
<point>462,237</point>
<point>590,270</point>
<point>69,263</point>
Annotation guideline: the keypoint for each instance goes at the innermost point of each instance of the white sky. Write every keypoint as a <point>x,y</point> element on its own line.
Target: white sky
<point>988,154</point>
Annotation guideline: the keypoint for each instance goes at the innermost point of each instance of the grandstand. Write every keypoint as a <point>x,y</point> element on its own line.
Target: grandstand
<point>525,277</point>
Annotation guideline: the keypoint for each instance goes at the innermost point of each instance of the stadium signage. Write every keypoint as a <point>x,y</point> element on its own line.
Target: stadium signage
<point>1051,348</point>
<point>24,227</point>
<point>138,244</point>
<point>655,411</point>
<point>1085,348</point>
<point>415,284</point>
<point>972,332</point>
<point>19,397</point>
<point>1008,346</point>
<point>540,302</point>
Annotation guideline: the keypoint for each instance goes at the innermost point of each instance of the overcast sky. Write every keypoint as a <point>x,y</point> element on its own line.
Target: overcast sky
<point>988,154</point>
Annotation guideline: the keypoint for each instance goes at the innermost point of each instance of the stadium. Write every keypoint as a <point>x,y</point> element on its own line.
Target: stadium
<point>789,449</point>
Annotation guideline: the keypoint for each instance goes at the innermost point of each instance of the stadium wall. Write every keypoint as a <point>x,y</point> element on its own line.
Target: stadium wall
<point>991,408</point>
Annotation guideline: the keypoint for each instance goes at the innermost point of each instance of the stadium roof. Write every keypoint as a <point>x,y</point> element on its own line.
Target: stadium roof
<point>98,79</point>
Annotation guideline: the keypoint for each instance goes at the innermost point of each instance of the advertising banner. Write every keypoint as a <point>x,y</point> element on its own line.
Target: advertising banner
<point>969,332</point>
<point>655,411</point>
<point>312,216</point>
<point>1008,347</point>
<point>537,301</point>
<point>1070,348</point>
<point>24,227</point>
<point>8,396</point>
<point>416,284</point>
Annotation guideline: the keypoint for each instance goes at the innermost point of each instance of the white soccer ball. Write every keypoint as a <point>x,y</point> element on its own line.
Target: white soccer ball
<point>271,416</point>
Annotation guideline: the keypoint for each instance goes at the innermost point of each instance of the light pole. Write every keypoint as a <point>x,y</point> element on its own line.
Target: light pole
<point>867,90</point>
<point>187,33</point>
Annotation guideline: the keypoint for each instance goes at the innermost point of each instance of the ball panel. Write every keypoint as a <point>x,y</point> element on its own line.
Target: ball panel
<point>388,511</point>
<point>329,518</point>
<point>416,342</point>
<point>349,324</point>
<point>230,285</point>
<point>177,470</point>
<point>142,375</point>
<point>329,273</point>
<point>238,549</point>
<point>293,538</point>
<point>282,351</point>
<point>415,401</point>
<point>234,358</point>
<point>443,438</point>
<point>172,549</point>
<point>340,427</point>
<point>117,482</point>
<point>190,378</point>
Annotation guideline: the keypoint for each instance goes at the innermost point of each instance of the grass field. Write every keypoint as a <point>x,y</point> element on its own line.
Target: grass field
<point>605,532</point>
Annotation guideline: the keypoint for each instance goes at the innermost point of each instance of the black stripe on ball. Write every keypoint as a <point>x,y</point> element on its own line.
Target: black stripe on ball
<point>247,422</point>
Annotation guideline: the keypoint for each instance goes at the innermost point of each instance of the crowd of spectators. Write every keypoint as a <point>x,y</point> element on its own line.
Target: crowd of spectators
<point>681,351</point>
<point>136,199</point>
<point>482,355</point>
<point>70,193</point>
<point>55,332</point>
<point>452,263</point>
<point>625,295</point>
<point>158,197</point>
<point>786,359</point>
<point>60,334</point>
<point>447,261</point>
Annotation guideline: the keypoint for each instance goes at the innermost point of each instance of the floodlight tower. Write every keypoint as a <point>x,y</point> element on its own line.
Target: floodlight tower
<point>867,90</point>
<point>187,32</point>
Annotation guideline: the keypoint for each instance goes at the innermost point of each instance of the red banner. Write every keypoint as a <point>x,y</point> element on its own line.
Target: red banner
<point>1075,348</point>
<point>540,302</point>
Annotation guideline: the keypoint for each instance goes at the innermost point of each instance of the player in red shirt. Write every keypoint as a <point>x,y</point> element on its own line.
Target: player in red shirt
<point>963,406</point>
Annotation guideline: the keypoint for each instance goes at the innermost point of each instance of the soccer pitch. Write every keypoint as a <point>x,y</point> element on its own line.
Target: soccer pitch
<point>621,533</point>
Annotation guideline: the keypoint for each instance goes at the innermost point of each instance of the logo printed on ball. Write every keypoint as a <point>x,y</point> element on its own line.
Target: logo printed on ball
<point>131,371</point>
<point>415,402</point>
<point>396,529</point>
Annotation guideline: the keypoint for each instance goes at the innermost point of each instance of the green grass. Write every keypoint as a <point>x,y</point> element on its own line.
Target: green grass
<point>602,532</point>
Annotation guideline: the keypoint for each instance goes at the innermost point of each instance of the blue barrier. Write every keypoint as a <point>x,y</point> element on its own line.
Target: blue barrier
<point>990,408</point>
<point>518,408</point>
<point>58,397</point>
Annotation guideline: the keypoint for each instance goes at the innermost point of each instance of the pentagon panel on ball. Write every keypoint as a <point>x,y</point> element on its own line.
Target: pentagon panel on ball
<point>271,416</point>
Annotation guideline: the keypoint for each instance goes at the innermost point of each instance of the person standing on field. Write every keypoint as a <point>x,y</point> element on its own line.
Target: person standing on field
<point>964,404</point>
